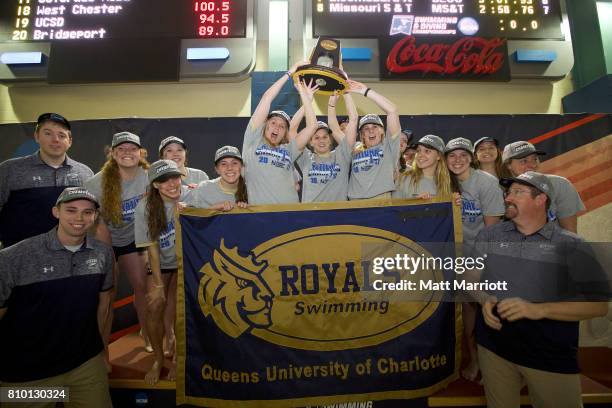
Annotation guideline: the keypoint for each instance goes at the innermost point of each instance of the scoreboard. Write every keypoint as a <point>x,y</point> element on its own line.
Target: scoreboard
<point>86,20</point>
<point>512,19</point>
<point>88,41</point>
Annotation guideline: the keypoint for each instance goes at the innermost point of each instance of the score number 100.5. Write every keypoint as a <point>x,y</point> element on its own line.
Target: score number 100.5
<point>213,17</point>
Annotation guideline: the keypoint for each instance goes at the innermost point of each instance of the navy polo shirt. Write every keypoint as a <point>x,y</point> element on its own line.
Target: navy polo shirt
<point>551,265</point>
<point>28,190</point>
<point>51,295</point>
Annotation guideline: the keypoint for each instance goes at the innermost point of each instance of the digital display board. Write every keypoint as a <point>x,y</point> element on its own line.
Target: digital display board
<point>512,19</point>
<point>87,20</point>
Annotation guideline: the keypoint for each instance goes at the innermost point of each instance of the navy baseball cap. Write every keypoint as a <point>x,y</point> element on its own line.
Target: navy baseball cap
<point>53,117</point>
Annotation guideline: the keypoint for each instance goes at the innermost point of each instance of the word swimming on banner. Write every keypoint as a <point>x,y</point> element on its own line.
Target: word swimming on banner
<point>277,305</point>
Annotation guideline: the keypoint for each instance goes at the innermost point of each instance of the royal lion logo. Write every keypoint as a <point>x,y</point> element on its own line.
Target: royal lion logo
<point>234,292</point>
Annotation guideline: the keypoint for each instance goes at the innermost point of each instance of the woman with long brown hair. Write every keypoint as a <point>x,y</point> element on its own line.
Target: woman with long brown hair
<point>120,185</point>
<point>488,156</point>
<point>155,231</point>
<point>482,204</point>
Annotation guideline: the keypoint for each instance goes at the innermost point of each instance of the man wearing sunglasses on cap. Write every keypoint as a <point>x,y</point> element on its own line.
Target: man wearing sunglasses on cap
<point>30,185</point>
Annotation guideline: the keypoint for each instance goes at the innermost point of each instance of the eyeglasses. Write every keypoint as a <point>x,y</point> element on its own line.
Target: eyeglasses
<point>515,192</point>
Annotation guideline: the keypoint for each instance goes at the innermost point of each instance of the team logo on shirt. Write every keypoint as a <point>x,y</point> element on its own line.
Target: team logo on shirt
<point>274,156</point>
<point>128,208</point>
<point>295,290</point>
<point>47,269</point>
<point>323,173</point>
<point>470,210</point>
<point>366,160</point>
<point>167,237</point>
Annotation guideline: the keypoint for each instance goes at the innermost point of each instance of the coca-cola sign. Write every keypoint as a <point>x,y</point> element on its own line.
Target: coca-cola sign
<point>473,58</point>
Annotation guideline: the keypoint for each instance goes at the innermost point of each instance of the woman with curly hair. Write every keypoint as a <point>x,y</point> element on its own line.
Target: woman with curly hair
<point>155,231</point>
<point>119,186</point>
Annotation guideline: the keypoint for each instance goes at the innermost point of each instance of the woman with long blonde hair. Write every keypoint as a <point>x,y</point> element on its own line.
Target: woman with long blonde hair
<point>120,185</point>
<point>428,175</point>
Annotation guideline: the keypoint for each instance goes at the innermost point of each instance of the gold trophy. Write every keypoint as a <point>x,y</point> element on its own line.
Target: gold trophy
<point>324,68</point>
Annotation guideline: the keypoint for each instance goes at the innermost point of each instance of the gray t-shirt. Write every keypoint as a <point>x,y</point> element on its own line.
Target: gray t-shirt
<point>373,169</point>
<point>194,176</point>
<point>565,200</point>
<point>167,250</point>
<point>131,193</point>
<point>325,178</point>
<point>269,170</point>
<point>207,194</point>
<point>480,196</point>
<point>407,189</point>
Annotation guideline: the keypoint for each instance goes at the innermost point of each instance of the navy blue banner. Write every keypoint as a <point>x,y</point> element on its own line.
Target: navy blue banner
<point>278,306</point>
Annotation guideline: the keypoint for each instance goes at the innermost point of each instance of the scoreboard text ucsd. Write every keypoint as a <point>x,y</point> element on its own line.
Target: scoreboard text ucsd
<point>56,20</point>
<point>513,19</point>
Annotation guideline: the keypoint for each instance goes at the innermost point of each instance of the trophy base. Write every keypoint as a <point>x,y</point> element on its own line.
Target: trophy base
<point>329,79</point>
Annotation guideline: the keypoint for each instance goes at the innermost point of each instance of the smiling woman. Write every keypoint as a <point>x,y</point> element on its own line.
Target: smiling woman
<point>120,185</point>
<point>228,190</point>
<point>268,155</point>
<point>374,162</point>
<point>155,231</point>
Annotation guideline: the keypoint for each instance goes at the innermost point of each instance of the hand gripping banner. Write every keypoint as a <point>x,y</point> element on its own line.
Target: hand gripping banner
<point>279,307</point>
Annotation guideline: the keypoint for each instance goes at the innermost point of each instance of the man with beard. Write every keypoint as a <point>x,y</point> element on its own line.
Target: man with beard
<point>529,333</point>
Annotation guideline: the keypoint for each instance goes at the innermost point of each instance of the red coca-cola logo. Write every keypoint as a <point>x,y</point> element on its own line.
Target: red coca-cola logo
<point>468,55</point>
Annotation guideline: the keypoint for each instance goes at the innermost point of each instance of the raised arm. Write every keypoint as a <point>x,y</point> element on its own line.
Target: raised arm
<point>306,92</point>
<point>263,108</point>
<point>294,125</point>
<point>332,119</point>
<point>393,122</point>
<point>351,128</point>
